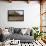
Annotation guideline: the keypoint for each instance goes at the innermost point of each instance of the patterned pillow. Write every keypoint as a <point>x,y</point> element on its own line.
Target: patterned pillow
<point>17,30</point>
<point>11,30</point>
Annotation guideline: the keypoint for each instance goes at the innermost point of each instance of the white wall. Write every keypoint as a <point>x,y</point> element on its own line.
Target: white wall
<point>31,14</point>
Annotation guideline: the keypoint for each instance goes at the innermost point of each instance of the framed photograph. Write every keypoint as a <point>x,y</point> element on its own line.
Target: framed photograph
<point>15,15</point>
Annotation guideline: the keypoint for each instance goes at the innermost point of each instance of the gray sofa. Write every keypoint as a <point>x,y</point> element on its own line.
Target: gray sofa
<point>17,35</point>
<point>22,38</point>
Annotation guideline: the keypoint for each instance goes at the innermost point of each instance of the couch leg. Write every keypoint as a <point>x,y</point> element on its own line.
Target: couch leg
<point>21,44</point>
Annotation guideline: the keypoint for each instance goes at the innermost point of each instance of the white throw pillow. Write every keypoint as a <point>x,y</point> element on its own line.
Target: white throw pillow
<point>23,31</point>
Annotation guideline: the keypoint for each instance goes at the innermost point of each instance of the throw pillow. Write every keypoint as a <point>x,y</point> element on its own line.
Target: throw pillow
<point>28,31</point>
<point>11,30</point>
<point>23,31</point>
<point>17,30</point>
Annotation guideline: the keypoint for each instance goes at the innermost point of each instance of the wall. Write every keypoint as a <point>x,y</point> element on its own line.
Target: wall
<point>31,14</point>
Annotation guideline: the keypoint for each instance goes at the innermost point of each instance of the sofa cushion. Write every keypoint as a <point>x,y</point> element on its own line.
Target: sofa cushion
<point>20,37</point>
<point>11,30</point>
<point>23,31</point>
<point>17,30</point>
<point>28,31</point>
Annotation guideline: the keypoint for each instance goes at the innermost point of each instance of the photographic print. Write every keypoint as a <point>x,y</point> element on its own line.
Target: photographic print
<point>15,15</point>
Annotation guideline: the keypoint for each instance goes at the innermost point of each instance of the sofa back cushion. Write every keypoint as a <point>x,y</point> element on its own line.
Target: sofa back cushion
<point>22,31</point>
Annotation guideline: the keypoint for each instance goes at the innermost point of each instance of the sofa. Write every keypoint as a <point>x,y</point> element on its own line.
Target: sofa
<point>22,34</point>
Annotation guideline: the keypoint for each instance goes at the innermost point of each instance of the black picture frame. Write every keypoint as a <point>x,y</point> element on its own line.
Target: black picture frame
<point>15,15</point>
